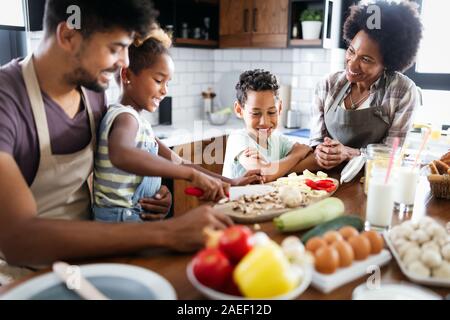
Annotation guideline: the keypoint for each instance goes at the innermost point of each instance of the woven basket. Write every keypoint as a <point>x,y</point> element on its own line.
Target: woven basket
<point>440,185</point>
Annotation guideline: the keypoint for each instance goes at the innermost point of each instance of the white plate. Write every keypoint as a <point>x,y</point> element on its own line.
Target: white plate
<point>400,291</point>
<point>216,295</point>
<point>328,282</point>
<point>415,278</point>
<point>116,281</point>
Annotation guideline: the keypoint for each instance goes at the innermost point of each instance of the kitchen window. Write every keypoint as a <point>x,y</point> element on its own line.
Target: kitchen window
<point>431,72</point>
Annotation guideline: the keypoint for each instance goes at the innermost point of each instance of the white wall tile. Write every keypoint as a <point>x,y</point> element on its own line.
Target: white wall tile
<point>200,77</point>
<point>281,68</point>
<point>231,54</point>
<point>194,66</point>
<point>218,54</point>
<point>185,54</point>
<point>287,55</point>
<point>320,68</point>
<point>311,55</point>
<point>301,68</point>
<point>241,66</point>
<point>271,55</point>
<point>250,54</point>
<point>223,66</point>
<point>180,66</point>
<point>262,65</point>
<point>186,78</point>
<point>201,54</point>
<point>308,82</point>
<point>208,66</point>
<point>302,95</point>
<point>174,53</point>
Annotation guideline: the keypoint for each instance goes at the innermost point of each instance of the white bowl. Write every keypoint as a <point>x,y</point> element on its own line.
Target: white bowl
<point>218,118</point>
<point>116,281</point>
<point>217,295</point>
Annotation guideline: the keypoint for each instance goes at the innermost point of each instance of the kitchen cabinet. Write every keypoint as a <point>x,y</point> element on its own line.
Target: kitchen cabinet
<point>193,23</point>
<point>253,23</point>
<point>210,155</point>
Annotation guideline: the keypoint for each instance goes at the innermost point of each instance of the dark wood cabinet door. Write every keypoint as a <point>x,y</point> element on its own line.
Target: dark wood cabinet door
<point>270,23</point>
<point>207,153</point>
<point>235,23</point>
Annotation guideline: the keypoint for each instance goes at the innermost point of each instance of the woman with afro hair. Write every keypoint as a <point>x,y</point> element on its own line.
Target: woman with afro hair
<point>371,101</point>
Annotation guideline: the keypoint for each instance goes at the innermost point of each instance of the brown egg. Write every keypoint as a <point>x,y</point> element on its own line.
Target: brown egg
<point>348,232</point>
<point>361,247</point>
<point>326,260</point>
<point>332,236</point>
<point>315,243</point>
<point>376,241</point>
<point>345,252</point>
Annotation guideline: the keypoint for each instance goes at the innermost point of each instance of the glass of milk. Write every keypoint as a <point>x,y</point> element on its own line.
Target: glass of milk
<point>405,187</point>
<point>380,201</point>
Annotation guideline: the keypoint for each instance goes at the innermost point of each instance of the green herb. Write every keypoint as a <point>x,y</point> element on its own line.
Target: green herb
<point>311,15</point>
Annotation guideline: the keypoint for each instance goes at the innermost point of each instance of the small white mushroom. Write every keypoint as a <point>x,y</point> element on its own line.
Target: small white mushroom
<point>405,231</point>
<point>431,245</point>
<point>425,221</point>
<point>419,236</point>
<point>431,259</point>
<point>418,268</point>
<point>445,250</point>
<point>443,271</point>
<point>290,197</point>
<point>405,247</point>
<point>411,255</point>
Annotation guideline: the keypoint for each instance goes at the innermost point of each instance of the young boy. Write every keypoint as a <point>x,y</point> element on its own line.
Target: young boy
<point>258,146</point>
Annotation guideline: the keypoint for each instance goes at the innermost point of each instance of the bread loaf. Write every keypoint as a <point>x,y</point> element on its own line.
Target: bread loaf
<point>442,167</point>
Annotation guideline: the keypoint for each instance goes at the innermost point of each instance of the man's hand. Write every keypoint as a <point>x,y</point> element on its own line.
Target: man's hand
<point>157,207</point>
<point>186,232</point>
<point>331,153</point>
<point>250,177</point>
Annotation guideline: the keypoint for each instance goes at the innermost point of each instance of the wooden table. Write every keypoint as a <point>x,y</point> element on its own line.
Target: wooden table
<point>172,266</point>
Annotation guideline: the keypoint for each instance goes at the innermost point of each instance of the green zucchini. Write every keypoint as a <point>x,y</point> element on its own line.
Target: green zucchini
<point>335,224</point>
<point>317,213</point>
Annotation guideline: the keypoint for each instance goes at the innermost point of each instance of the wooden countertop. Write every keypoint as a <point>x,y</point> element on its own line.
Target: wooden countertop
<point>172,266</point>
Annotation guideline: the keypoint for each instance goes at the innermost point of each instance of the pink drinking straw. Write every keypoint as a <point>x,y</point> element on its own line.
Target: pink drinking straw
<point>424,141</point>
<point>395,144</point>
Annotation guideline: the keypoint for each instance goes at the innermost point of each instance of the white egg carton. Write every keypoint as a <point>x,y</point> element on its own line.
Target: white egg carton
<point>328,282</point>
<point>411,276</point>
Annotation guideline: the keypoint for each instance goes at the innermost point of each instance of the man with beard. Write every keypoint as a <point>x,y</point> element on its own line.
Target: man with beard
<point>50,106</point>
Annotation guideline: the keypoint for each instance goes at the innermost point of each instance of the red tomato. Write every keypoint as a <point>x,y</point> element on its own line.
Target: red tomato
<point>235,242</point>
<point>212,268</point>
<point>231,288</point>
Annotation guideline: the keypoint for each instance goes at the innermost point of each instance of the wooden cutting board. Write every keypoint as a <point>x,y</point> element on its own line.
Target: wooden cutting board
<point>267,215</point>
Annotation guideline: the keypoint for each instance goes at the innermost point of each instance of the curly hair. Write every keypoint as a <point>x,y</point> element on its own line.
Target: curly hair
<point>102,15</point>
<point>399,35</point>
<point>143,52</point>
<point>255,80</point>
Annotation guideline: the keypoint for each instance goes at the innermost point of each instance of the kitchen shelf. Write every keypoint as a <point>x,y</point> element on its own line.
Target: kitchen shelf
<point>196,42</point>
<point>305,43</point>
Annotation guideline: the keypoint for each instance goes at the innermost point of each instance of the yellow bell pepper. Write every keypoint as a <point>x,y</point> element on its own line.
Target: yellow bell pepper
<point>265,272</point>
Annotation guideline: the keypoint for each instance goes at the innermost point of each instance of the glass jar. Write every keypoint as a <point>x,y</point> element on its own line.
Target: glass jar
<point>378,155</point>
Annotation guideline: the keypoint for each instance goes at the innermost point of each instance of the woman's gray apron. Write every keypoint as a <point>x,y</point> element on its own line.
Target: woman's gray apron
<point>356,128</point>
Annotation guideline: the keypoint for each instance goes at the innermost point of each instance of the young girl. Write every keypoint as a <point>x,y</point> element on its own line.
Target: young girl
<point>130,160</point>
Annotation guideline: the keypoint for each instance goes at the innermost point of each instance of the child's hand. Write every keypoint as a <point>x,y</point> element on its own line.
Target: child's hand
<point>250,177</point>
<point>214,189</point>
<point>255,154</point>
<point>158,206</point>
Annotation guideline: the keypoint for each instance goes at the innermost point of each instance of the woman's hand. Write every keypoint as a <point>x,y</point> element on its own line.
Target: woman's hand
<point>332,153</point>
<point>250,177</point>
<point>158,206</point>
